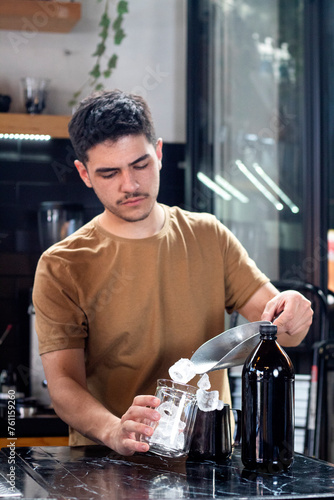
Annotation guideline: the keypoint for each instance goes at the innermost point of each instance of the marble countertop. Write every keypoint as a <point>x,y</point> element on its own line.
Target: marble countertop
<point>95,472</point>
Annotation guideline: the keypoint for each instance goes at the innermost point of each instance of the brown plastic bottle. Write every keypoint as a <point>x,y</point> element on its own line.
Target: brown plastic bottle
<point>268,402</point>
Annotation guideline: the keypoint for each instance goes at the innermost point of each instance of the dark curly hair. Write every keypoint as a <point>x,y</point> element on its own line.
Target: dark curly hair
<point>109,115</point>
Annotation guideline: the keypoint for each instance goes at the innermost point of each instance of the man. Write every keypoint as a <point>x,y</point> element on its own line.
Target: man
<point>140,286</point>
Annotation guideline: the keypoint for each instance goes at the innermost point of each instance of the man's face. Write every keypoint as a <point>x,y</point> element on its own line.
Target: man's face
<point>125,176</point>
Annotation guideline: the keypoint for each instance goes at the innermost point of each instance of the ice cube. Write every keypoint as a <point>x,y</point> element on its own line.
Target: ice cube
<point>220,405</point>
<point>167,441</point>
<point>156,436</point>
<point>182,371</point>
<point>167,410</point>
<point>207,400</point>
<point>167,435</point>
<point>182,426</point>
<point>164,428</point>
<point>204,382</point>
<point>179,445</point>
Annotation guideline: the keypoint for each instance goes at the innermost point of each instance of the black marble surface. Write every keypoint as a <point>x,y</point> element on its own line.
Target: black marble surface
<point>95,472</point>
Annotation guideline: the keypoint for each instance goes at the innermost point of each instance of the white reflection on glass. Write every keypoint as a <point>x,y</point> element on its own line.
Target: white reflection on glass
<point>278,205</point>
<point>231,189</point>
<point>213,186</point>
<point>294,209</point>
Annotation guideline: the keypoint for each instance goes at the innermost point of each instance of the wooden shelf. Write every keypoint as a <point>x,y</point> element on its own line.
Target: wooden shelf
<point>36,441</point>
<point>39,15</point>
<point>19,123</point>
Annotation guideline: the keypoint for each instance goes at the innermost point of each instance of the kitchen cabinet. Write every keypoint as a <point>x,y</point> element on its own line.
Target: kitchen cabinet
<point>20,123</point>
<point>36,15</point>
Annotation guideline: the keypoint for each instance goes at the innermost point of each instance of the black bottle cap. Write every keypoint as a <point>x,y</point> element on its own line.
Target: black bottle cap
<point>268,331</point>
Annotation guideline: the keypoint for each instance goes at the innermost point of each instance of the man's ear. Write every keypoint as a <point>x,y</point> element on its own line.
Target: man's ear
<point>158,150</point>
<point>83,172</point>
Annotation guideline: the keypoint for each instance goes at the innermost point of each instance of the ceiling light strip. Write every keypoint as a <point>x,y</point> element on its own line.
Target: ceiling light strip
<point>26,137</point>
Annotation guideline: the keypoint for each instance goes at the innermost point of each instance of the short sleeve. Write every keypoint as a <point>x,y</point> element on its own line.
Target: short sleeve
<point>242,276</point>
<point>60,322</point>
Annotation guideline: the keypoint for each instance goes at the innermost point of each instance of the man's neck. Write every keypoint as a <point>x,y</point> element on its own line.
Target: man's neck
<point>145,228</point>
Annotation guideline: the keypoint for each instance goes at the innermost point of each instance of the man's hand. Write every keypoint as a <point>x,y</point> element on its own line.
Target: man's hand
<point>290,311</point>
<point>126,432</point>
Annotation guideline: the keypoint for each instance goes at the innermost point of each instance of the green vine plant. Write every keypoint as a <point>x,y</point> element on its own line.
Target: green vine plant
<point>104,66</point>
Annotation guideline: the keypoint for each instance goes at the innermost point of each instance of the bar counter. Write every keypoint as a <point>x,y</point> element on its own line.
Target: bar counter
<point>95,472</point>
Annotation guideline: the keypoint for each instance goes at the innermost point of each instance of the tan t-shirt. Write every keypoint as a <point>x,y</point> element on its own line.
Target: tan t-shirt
<point>137,306</point>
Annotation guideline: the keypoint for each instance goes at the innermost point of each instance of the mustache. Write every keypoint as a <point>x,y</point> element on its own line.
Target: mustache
<point>132,195</point>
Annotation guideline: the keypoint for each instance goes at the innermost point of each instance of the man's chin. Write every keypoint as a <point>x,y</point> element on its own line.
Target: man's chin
<point>135,219</point>
<point>127,217</point>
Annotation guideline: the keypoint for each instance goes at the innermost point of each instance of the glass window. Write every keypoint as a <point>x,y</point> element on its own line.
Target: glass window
<point>251,113</point>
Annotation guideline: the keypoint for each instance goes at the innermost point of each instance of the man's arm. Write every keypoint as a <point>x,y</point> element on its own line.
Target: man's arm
<point>66,377</point>
<point>291,309</point>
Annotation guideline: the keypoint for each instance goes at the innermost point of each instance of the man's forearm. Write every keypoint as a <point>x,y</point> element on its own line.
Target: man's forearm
<point>66,375</point>
<point>80,410</point>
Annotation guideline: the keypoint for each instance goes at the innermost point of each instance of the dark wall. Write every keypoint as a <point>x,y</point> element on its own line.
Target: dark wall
<point>31,173</point>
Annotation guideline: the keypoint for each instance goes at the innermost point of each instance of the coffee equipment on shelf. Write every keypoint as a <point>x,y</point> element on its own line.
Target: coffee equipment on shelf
<point>35,93</point>
<point>56,220</point>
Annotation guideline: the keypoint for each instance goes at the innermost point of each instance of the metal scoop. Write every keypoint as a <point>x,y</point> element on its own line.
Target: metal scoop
<point>227,349</point>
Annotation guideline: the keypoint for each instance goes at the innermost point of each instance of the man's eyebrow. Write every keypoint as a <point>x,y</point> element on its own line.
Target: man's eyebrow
<point>141,158</point>
<point>105,169</point>
<point>110,169</point>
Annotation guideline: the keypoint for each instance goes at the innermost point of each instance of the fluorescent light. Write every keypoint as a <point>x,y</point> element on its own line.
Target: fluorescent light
<point>26,137</point>
<point>294,209</point>
<point>278,205</point>
<point>213,186</point>
<point>231,189</point>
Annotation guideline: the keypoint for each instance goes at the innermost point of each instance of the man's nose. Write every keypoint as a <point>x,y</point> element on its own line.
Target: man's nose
<point>129,182</point>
